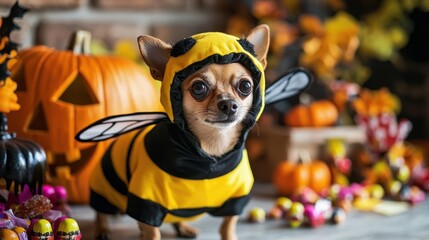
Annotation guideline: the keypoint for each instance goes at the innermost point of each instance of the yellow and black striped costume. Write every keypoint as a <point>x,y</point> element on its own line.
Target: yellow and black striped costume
<point>159,173</point>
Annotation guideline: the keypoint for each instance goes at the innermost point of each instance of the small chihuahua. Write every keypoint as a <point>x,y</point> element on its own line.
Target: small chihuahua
<point>175,165</point>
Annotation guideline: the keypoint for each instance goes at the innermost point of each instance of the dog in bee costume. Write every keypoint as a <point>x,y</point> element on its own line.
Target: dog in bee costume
<point>160,169</point>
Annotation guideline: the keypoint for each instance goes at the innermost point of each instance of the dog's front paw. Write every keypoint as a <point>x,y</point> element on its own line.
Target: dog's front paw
<point>183,230</point>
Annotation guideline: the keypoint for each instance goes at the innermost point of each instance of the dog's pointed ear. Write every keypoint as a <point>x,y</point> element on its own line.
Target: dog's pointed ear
<point>260,38</point>
<point>155,53</point>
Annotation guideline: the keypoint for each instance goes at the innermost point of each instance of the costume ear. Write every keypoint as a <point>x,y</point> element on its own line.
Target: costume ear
<point>289,84</point>
<point>260,38</point>
<point>155,53</point>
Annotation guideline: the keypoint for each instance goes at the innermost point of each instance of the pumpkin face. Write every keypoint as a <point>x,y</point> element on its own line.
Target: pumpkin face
<point>290,177</point>
<point>321,113</point>
<point>61,92</point>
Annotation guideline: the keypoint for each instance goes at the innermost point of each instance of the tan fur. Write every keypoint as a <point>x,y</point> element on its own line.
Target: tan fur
<point>214,138</point>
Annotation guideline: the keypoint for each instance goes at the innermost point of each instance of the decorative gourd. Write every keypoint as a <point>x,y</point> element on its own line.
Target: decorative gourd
<point>21,232</point>
<point>61,92</point>
<point>320,113</point>
<point>290,177</point>
<point>21,161</point>
<point>7,234</point>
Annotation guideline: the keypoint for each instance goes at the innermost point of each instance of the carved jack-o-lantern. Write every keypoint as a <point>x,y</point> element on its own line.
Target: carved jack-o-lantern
<point>62,92</point>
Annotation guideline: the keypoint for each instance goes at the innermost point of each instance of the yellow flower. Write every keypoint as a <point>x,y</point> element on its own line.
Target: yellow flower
<point>8,99</point>
<point>383,32</point>
<point>341,28</point>
<point>328,45</point>
<point>373,103</point>
<point>126,49</point>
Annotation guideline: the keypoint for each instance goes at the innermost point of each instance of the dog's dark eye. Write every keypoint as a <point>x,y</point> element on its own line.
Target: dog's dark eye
<point>199,90</point>
<point>245,87</point>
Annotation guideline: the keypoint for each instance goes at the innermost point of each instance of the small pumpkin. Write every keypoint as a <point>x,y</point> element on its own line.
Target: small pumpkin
<point>61,92</point>
<point>21,232</point>
<point>21,161</point>
<point>7,234</point>
<point>290,177</point>
<point>319,113</point>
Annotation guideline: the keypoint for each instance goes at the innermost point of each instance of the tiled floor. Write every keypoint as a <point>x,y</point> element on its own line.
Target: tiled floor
<point>411,225</point>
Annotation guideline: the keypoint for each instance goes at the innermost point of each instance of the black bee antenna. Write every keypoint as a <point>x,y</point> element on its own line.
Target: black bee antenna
<point>8,48</point>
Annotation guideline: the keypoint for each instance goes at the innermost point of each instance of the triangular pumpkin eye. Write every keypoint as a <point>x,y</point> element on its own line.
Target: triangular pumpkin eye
<point>38,120</point>
<point>19,77</point>
<point>78,92</point>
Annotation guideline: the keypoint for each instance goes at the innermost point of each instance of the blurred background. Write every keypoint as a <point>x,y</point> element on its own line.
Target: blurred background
<point>369,60</point>
<point>374,44</point>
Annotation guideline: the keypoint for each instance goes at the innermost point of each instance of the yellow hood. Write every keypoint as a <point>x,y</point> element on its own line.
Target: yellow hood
<point>191,54</point>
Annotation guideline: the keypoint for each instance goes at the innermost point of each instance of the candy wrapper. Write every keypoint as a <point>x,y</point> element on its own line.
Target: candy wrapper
<point>9,220</point>
<point>383,131</point>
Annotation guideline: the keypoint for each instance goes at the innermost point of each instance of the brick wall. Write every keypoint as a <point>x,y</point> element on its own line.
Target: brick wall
<point>51,22</point>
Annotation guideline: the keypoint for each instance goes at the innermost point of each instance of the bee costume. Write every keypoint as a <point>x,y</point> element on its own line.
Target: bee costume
<point>155,171</point>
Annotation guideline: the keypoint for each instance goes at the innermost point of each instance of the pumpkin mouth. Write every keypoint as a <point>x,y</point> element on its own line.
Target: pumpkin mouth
<point>60,162</point>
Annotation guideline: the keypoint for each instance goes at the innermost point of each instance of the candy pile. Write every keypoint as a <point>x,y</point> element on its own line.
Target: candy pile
<point>307,208</point>
<point>37,217</point>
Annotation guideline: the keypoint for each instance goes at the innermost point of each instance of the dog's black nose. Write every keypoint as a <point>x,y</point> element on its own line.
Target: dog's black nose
<point>229,107</point>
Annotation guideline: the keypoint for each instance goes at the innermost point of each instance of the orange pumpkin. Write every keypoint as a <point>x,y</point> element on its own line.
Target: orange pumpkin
<point>61,92</point>
<point>321,113</point>
<point>8,234</point>
<point>290,177</point>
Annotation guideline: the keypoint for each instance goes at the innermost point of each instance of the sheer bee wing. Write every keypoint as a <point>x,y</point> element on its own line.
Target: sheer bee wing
<point>114,126</point>
<point>289,84</point>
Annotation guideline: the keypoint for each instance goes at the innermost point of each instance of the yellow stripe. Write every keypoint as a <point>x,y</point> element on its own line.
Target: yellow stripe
<point>151,183</point>
<point>172,219</point>
<point>100,185</point>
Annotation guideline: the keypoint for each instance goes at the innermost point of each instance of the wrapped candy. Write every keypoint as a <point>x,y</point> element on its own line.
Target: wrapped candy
<point>41,229</point>
<point>20,231</point>
<point>5,222</point>
<point>9,220</point>
<point>58,197</point>
<point>67,229</point>
<point>295,215</point>
<point>313,217</point>
<point>33,207</point>
<point>383,131</point>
